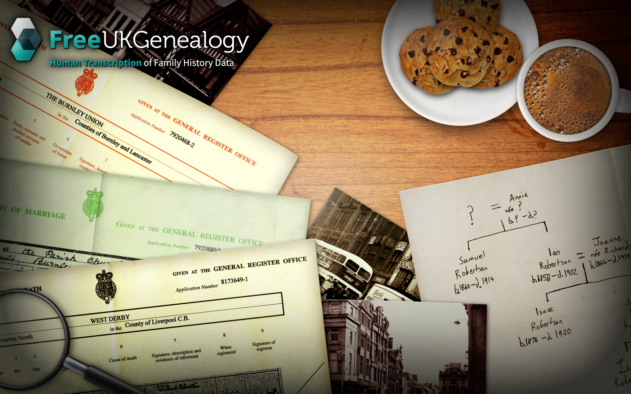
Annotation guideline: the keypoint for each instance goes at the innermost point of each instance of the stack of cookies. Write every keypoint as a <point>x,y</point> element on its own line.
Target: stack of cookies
<point>467,48</point>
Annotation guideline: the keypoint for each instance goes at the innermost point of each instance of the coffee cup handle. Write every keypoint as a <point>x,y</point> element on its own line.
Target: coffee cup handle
<point>624,101</point>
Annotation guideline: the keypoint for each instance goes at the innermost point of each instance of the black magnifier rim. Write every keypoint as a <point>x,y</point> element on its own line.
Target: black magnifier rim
<point>64,324</point>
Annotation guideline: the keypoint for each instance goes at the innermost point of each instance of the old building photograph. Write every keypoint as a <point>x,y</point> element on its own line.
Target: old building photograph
<point>386,347</point>
<point>202,18</point>
<point>352,226</point>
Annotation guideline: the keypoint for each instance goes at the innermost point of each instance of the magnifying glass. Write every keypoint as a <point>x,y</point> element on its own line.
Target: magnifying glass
<point>35,342</point>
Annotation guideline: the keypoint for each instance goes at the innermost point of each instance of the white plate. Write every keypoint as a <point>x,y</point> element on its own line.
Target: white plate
<point>461,106</point>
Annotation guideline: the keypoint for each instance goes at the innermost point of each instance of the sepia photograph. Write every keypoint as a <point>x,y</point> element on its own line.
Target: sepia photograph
<point>378,347</point>
<point>361,254</point>
<point>202,18</point>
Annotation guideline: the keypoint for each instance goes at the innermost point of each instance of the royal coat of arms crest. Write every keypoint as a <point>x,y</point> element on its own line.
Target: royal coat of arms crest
<point>85,83</point>
<point>106,288</point>
<point>93,206</point>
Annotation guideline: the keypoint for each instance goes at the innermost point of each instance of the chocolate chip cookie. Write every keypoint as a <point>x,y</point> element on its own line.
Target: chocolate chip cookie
<point>507,59</point>
<point>459,52</point>
<point>485,13</point>
<point>415,65</point>
<point>443,9</point>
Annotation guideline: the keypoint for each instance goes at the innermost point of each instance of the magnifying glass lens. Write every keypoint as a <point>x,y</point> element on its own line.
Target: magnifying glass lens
<point>32,340</point>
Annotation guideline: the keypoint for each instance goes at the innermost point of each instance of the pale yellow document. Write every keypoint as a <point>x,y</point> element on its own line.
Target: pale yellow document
<point>547,247</point>
<point>57,218</point>
<point>241,321</point>
<point>122,121</point>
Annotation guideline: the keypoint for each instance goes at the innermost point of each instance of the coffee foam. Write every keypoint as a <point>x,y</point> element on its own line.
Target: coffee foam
<point>567,90</point>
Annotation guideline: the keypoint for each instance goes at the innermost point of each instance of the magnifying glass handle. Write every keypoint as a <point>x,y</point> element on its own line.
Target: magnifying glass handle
<point>100,378</point>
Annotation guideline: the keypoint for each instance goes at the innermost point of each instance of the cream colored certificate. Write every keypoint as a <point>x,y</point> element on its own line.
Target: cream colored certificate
<point>241,321</point>
<point>122,121</point>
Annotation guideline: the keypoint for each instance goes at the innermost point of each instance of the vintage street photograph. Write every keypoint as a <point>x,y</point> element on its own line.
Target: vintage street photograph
<point>361,254</point>
<point>380,347</point>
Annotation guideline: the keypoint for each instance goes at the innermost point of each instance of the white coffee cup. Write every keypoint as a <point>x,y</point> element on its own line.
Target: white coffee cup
<point>620,98</point>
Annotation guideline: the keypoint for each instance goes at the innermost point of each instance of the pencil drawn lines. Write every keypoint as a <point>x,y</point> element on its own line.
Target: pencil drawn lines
<point>505,231</point>
<point>587,282</point>
<point>316,371</point>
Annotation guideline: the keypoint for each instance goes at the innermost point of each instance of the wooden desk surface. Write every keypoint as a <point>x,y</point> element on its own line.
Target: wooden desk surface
<point>316,84</point>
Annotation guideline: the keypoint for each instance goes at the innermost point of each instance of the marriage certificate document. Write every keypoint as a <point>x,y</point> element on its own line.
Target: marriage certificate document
<point>121,121</point>
<point>240,321</point>
<point>58,218</point>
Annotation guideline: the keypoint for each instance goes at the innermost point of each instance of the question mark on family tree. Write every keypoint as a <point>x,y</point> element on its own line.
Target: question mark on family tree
<point>470,213</point>
<point>520,205</point>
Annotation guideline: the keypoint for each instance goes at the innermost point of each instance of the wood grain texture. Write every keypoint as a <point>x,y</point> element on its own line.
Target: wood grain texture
<point>316,85</point>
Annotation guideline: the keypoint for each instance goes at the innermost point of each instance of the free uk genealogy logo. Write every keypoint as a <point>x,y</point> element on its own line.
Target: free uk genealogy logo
<point>28,39</point>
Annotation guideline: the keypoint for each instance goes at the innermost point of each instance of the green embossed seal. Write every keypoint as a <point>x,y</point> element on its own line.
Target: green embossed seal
<point>93,206</point>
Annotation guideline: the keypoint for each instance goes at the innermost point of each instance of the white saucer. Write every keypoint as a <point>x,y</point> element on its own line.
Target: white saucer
<point>461,106</point>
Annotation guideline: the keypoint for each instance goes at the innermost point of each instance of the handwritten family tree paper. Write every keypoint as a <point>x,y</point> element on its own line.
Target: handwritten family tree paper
<point>56,218</point>
<point>547,248</point>
<point>122,121</point>
<point>245,321</point>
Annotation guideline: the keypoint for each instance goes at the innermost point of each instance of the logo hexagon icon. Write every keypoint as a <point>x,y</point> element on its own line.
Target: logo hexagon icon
<point>27,37</point>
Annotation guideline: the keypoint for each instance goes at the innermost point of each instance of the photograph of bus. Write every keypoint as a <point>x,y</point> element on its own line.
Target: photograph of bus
<point>384,293</point>
<point>343,275</point>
